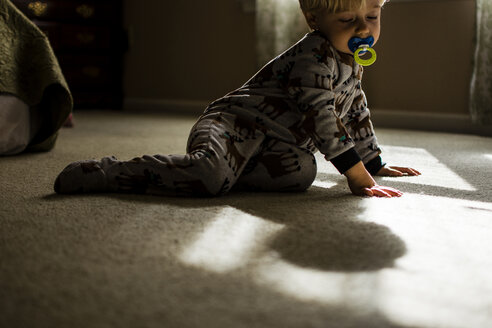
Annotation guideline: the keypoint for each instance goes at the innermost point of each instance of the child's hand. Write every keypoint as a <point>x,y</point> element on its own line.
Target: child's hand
<point>361,183</point>
<point>397,171</point>
<point>376,191</point>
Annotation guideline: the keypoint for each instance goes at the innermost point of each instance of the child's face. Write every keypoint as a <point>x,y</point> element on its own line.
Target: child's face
<point>341,27</point>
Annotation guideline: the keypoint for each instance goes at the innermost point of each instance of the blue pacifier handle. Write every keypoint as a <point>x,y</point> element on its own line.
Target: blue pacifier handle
<point>356,42</point>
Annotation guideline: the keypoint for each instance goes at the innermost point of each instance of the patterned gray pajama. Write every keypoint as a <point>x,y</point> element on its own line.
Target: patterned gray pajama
<point>261,136</point>
<point>218,158</point>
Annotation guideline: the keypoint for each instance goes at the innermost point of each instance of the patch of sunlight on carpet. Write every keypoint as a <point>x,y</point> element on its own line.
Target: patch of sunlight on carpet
<point>229,240</point>
<point>353,290</point>
<point>441,281</point>
<point>434,172</point>
<point>324,184</point>
<point>444,276</point>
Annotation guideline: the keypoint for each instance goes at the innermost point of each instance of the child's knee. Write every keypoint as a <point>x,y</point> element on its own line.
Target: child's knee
<point>216,176</point>
<point>212,184</point>
<point>308,172</point>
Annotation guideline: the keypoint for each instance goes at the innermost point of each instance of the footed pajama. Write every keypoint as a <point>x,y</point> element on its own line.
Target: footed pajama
<point>220,155</point>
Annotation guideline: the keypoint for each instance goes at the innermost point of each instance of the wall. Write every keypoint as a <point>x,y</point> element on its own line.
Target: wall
<point>199,50</point>
<point>187,49</point>
<point>424,57</point>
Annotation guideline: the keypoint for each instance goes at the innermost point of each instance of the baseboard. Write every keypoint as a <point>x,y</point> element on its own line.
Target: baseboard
<point>174,106</point>
<point>450,123</point>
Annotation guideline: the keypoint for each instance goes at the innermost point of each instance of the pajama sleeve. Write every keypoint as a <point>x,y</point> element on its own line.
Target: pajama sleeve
<point>309,83</point>
<point>360,127</point>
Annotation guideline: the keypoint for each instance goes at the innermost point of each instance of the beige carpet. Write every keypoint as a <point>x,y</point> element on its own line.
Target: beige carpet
<point>323,258</point>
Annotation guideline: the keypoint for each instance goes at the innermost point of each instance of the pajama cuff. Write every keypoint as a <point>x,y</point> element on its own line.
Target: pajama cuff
<point>346,160</point>
<point>374,165</point>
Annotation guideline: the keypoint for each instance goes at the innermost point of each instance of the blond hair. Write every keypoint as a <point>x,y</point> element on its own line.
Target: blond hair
<point>332,6</point>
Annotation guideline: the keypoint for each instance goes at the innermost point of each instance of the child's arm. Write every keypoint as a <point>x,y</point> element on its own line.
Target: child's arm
<point>366,143</point>
<point>361,183</point>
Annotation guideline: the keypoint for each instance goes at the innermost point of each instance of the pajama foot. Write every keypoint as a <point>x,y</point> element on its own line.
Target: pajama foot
<point>82,177</point>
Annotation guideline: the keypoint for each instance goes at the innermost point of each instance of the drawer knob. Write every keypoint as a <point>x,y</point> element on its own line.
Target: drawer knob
<point>38,8</point>
<point>86,11</point>
<point>86,38</point>
<point>91,71</point>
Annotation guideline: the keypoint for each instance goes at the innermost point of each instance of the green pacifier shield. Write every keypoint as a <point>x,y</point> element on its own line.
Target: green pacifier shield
<point>365,62</point>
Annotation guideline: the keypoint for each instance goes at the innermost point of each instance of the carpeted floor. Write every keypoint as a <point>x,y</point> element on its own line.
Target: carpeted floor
<point>323,258</point>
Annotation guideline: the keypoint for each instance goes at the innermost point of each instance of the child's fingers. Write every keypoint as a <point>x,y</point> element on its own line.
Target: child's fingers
<point>368,192</point>
<point>409,171</point>
<point>393,192</point>
<point>395,173</point>
<point>389,192</point>
<point>406,170</point>
<point>381,191</point>
<point>389,172</point>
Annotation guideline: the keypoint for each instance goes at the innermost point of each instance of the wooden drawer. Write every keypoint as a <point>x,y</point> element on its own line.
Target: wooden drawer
<point>73,37</point>
<point>89,41</point>
<point>103,98</point>
<point>89,71</point>
<point>81,10</point>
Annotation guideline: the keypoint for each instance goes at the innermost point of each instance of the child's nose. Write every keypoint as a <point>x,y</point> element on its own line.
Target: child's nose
<point>362,28</point>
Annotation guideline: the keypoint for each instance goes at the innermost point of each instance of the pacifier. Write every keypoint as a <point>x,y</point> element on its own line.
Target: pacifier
<point>360,47</point>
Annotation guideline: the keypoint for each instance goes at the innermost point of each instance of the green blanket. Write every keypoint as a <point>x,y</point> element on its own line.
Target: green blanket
<point>30,71</point>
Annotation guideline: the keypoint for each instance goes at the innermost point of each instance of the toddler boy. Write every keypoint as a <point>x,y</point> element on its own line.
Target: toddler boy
<point>262,136</point>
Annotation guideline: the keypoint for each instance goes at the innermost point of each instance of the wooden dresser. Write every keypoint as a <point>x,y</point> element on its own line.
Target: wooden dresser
<point>89,42</point>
